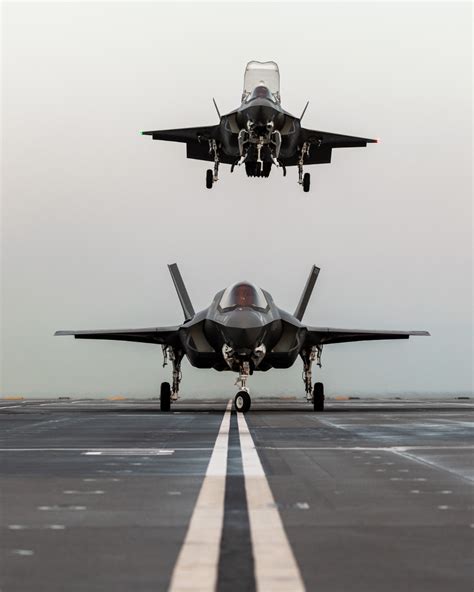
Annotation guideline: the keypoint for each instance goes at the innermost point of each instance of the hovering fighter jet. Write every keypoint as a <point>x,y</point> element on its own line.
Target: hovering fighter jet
<point>259,133</point>
<point>242,331</point>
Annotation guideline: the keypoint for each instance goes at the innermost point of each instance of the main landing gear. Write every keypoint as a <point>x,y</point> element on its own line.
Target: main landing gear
<point>242,398</point>
<point>170,392</point>
<point>165,396</point>
<point>213,175</point>
<point>314,394</point>
<point>318,396</point>
<point>304,179</point>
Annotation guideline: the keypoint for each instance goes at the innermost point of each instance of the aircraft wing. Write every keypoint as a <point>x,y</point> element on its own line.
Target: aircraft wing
<point>326,335</point>
<point>330,140</point>
<point>186,134</point>
<point>160,335</point>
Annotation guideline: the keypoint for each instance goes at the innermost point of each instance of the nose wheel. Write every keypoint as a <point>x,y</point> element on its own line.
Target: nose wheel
<point>242,402</point>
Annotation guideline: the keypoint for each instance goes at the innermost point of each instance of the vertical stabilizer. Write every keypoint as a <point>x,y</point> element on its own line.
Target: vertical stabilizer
<point>183,295</point>
<point>306,295</point>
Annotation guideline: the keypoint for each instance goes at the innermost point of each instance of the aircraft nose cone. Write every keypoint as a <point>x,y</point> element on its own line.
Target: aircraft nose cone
<point>244,330</point>
<point>244,341</point>
<point>244,318</point>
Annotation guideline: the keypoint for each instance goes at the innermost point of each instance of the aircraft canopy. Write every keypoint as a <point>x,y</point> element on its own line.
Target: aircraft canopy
<point>243,295</point>
<point>262,74</point>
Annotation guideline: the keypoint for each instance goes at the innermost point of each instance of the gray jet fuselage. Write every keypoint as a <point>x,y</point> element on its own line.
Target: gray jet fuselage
<point>259,134</point>
<point>242,334</point>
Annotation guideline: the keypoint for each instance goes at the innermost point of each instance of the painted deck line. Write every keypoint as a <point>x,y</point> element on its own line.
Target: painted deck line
<point>92,451</point>
<point>197,565</point>
<point>276,569</point>
<point>375,448</point>
<point>432,464</point>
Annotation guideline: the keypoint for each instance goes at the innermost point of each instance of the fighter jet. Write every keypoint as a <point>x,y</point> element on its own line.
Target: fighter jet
<point>259,134</point>
<point>242,331</point>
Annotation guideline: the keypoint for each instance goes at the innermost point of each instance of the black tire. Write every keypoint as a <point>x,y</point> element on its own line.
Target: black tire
<point>165,396</point>
<point>209,178</point>
<point>318,396</point>
<point>306,182</point>
<point>242,402</point>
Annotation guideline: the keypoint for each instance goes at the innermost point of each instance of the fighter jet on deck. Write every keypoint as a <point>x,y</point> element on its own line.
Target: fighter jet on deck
<point>243,331</point>
<point>259,134</point>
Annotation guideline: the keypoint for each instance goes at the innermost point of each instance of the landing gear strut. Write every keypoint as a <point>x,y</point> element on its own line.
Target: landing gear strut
<point>305,179</point>
<point>242,398</point>
<point>213,175</point>
<point>313,394</point>
<point>170,392</point>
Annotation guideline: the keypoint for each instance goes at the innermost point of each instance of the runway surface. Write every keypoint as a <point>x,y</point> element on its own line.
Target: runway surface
<point>116,496</point>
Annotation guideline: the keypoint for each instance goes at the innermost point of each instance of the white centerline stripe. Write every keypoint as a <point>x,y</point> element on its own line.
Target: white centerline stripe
<point>198,560</point>
<point>275,565</point>
<point>99,451</point>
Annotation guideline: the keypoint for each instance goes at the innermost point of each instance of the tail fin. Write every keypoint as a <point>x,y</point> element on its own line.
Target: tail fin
<point>306,295</point>
<point>183,295</point>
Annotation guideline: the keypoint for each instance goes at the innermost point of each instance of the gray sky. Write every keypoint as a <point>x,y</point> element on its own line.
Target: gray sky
<point>92,211</point>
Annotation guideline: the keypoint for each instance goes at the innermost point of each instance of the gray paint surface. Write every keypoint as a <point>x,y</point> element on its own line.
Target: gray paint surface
<point>92,211</point>
<point>358,511</point>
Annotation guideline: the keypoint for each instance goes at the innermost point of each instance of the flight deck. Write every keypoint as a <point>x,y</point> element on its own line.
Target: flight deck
<point>101,495</point>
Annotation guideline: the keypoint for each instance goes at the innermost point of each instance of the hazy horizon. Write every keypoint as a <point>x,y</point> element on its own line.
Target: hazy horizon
<point>92,211</point>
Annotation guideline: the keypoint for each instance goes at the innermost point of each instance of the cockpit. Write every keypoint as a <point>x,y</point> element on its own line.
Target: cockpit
<point>260,92</point>
<point>260,75</point>
<point>243,295</point>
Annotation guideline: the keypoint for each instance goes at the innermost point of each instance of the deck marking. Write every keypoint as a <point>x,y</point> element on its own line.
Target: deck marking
<point>368,449</point>
<point>197,565</point>
<point>403,452</point>
<point>276,569</point>
<point>111,451</point>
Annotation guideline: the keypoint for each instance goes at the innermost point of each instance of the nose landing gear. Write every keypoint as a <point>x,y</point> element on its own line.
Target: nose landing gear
<point>242,398</point>
<point>242,402</point>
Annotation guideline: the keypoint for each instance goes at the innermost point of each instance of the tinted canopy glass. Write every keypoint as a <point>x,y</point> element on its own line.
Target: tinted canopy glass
<point>243,294</point>
<point>262,74</point>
